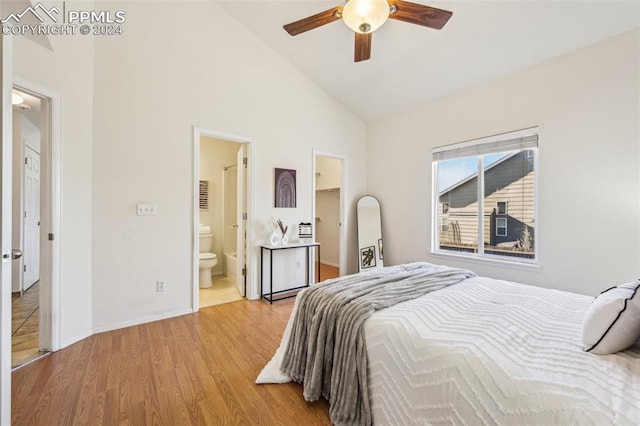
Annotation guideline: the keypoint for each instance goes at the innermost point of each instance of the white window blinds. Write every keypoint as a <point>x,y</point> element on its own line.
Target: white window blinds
<point>514,141</point>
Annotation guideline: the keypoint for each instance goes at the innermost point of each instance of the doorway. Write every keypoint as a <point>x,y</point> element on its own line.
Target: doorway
<point>34,220</point>
<point>221,204</point>
<point>328,213</point>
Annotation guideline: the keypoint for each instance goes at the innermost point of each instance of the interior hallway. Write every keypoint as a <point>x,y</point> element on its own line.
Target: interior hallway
<point>25,321</point>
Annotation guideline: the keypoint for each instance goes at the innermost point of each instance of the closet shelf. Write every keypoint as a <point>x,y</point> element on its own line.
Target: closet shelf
<point>328,190</point>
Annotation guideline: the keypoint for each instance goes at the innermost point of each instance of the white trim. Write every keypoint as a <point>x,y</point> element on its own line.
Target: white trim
<point>50,209</point>
<point>505,227</point>
<point>138,321</point>
<point>488,260</point>
<point>6,70</point>
<point>251,277</point>
<point>344,225</point>
<point>335,265</point>
<point>75,339</point>
<point>480,195</point>
<point>435,201</point>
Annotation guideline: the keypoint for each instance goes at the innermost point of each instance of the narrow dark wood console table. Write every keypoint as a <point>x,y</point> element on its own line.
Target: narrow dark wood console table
<point>271,249</point>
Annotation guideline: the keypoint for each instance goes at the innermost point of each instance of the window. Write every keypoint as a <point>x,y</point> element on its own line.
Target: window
<point>501,207</point>
<point>485,189</point>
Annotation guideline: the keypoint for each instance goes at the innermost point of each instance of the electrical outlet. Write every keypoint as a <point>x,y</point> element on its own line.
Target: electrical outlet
<point>145,209</point>
<point>161,285</point>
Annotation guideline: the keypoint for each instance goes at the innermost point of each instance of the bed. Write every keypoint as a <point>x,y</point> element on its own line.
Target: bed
<point>485,351</point>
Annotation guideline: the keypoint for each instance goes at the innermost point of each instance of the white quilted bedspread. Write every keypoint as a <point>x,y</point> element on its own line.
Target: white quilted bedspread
<point>493,352</point>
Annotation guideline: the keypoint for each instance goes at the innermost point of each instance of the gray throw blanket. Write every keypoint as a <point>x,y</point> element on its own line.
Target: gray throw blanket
<point>327,351</point>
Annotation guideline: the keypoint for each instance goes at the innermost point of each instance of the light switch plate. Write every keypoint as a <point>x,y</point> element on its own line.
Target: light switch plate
<point>146,209</point>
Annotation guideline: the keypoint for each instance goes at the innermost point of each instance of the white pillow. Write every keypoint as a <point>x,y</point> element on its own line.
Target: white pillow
<point>612,322</point>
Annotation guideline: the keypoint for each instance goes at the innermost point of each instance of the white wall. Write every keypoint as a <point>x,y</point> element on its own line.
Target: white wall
<point>68,70</point>
<point>589,203</point>
<point>172,74</point>
<point>215,154</point>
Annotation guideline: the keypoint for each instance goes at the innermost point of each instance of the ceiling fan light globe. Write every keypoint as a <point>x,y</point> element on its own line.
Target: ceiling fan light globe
<point>16,99</point>
<point>365,16</point>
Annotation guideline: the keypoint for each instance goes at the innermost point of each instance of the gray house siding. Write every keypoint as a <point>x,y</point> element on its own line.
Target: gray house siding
<point>510,181</point>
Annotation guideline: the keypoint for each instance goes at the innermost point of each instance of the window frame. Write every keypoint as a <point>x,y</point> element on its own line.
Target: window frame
<point>479,256</point>
<point>505,227</point>
<point>506,208</point>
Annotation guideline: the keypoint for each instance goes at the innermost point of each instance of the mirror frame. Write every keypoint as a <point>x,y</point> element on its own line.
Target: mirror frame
<point>378,248</point>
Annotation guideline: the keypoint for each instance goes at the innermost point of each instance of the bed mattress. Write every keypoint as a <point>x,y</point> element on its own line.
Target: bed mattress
<point>493,352</point>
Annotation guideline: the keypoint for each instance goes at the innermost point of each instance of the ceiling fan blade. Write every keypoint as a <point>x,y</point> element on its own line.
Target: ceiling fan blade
<point>314,21</point>
<point>363,47</point>
<point>419,14</point>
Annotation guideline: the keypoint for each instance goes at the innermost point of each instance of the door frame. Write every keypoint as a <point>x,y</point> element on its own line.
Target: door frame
<point>342,244</point>
<point>23,222</point>
<point>251,279</point>
<point>6,123</point>
<point>50,211</point>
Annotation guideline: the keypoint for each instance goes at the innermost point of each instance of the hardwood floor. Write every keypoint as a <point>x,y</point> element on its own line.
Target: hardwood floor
<point>25,323</point>
<point>327,272</point>
<point>194,369</point>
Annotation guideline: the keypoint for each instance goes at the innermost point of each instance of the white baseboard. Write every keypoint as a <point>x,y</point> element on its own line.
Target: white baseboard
<point>142,320</point>
<point>75,339</point>
<point>335,265</point>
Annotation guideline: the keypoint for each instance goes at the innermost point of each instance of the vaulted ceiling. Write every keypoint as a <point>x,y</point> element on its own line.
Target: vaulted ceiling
<point>411,65</point>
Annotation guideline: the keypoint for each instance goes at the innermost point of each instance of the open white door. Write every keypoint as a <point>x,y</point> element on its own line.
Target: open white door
<point>5,230</point>
<point>31,242</point>
<point>241,213</point>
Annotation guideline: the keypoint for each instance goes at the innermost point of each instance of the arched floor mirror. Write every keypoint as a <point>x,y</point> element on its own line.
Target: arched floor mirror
<point>370,251</point>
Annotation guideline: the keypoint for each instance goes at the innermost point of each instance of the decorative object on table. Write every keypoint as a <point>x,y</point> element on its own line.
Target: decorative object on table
<point>275,237</point>
<point>367,257</point>
<point>285,188</point>
<point>283,229</point>
<point>305,232</point>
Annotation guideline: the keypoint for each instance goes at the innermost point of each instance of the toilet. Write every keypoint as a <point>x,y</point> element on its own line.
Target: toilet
<point>206,259</point>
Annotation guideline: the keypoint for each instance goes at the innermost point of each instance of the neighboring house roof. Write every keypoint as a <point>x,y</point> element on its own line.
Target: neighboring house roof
<point>475,175</point>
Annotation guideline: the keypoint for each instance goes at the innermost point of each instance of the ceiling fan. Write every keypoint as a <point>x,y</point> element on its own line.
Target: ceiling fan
<point>366,16</point>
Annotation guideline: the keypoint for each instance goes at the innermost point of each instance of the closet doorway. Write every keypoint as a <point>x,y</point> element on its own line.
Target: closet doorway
<point>328,227</point>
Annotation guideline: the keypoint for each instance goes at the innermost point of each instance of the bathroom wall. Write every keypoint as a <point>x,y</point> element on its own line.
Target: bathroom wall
<point>215,154</point>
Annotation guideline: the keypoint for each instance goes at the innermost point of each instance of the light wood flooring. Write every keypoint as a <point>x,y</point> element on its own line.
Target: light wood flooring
<point>223,290</point>
<point>195,369</point>
<point>25,321</point>
<point>327,272</point>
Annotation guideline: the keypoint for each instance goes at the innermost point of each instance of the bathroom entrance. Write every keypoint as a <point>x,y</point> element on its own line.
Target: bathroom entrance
<point>222,220</point>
